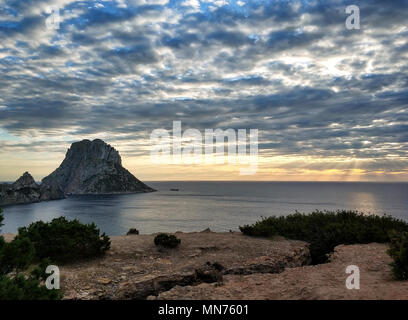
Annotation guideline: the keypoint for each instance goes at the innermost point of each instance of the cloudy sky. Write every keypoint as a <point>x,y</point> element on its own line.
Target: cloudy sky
<point>329,103</point>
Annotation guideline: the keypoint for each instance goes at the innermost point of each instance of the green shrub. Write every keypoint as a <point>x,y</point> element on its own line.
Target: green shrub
<point>39,270</point>
<point>62,240</point>
<point>15,257</point>
<point>23,287</point>
<point>167,241</point>
<point>324,230</point>
<point>2,242</point>
<point>399,253</point>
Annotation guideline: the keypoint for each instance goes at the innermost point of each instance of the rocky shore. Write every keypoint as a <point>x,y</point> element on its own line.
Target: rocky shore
<point>210,265</point>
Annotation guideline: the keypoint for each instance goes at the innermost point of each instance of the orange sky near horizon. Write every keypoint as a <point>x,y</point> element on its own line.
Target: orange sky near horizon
<point>274,168</point>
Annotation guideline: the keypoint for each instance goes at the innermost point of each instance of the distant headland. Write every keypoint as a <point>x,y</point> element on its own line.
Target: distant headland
<point>89,167</point>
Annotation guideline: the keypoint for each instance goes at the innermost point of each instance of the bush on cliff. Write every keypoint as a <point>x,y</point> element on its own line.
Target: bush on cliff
<point>324,230</point>
<point>15,283</point>
<point>167,241</point>
<point>399,253</point>
<point>16,255</point>
<point>63,240</point>
<point>26,287</point>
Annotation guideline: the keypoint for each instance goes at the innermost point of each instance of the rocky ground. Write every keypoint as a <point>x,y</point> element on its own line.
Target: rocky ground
<point>134,268</point>
<point>210,265</point>
<point>324,281</point>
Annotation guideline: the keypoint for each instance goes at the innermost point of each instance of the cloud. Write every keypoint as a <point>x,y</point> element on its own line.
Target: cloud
<point>290,69</point>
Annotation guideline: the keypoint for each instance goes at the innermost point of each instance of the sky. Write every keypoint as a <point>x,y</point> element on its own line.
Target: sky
<point>329,103</point>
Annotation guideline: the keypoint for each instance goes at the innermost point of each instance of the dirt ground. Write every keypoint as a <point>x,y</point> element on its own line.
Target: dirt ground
<point>135,268</point>
<point>250,268</point>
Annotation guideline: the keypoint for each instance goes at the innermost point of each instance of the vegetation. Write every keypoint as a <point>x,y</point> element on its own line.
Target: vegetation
<point>35,247</point>
<point>16,255</point>
<point>133,231</point>
<point>15,282</point>
<point>167,241</point>
<point>324,230</point>
<point>25,287</point>
<point>63,240</point>
<point>399,253</point>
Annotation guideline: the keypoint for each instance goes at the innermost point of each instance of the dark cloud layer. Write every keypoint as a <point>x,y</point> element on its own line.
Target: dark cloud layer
<point>289,68</point>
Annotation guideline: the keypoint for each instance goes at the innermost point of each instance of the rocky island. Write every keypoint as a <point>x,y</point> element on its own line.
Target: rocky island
<point>26,190</point>
<point>89,167</point>
<point>94,167</point>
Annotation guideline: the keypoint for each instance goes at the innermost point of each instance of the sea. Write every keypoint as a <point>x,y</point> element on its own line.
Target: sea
<point>220,206</point>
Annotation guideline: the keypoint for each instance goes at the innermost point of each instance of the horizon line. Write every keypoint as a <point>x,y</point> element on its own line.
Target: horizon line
<point>295,181</point>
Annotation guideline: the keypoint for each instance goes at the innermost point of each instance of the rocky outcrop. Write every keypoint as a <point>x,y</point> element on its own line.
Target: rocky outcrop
<point>25,181</point>
<point>26,190</point>
<point>89,167</point>
<point>94,167</point>
<point>134,268</point>
<point>325,281</point>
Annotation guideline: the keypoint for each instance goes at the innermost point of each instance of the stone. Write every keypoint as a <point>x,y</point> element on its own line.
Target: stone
<point>94,167</point>
<point>207,248</point>
<point>25,181</point>
<point>209,273</point>
<point>215,265</point>
<point>127,268</point>
<point>26,190</point>
<point>104,281</point>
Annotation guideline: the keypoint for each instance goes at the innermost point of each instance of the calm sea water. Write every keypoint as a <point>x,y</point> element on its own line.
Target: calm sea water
<point>220,206</point>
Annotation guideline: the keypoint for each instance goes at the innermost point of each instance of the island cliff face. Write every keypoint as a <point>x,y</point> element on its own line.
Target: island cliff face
<point>89,167</point>
<point>94,167</point>
<point>26,190</point>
